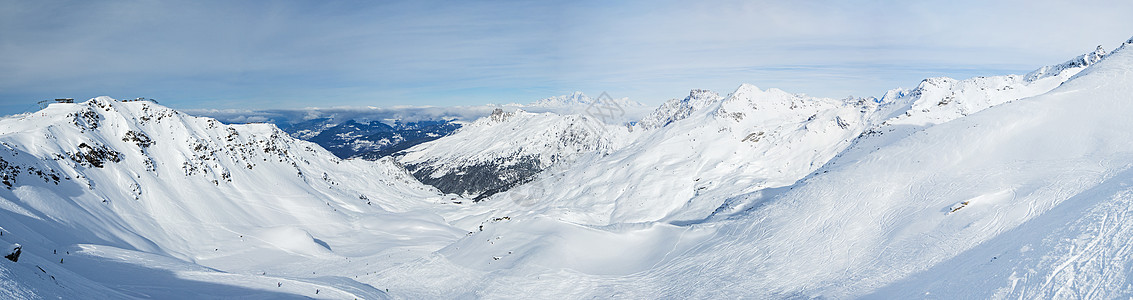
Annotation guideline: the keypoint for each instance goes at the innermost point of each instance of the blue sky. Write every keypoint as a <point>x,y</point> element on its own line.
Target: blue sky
<point>292,54</point>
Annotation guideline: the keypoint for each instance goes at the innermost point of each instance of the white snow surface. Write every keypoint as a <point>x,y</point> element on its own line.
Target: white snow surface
<point>679,109</point>
<point>506,136</point>
<point>865,214</point>
<point>991,187</point>
<point>220,203</point>
<point>691,158</point>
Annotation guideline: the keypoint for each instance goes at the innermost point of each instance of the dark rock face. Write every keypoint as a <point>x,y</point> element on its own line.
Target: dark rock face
<point>87,119</point>
<point>9,172</point>
<point>479,180</point>
<point>138,138</point>
<point>95,156</point>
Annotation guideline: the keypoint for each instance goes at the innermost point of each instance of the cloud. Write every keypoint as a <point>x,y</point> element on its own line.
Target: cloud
<point>294,54</point>
<point>285,117</point>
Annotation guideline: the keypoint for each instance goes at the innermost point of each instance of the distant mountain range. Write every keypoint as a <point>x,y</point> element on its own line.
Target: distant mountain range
<point>372,133</point>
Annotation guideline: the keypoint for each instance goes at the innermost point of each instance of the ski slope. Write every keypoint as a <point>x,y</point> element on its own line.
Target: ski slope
<point>990,187</point>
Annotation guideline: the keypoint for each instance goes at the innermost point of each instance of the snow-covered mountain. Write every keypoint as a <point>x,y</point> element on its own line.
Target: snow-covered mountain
<point>507,148</point>
<point>373,133</point>
<point>104,182</point>
<point>679,109</point>
<point>691,157</point>
<point>581,100</point>
<point>603,107</point>
<point>1082,61</point>
<point>1026,199</point>
<point>686,168</point>
<point>372,139</point>
<point>939,100</point>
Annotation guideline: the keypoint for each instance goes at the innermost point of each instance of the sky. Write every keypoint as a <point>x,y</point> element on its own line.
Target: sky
<point>295,54</point>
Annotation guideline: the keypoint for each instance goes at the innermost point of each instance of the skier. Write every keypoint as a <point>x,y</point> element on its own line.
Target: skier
<point>14,254</point>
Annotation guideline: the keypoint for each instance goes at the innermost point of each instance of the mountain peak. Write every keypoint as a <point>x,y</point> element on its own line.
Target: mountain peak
<point>678,109</point>
<point>579,99</point>
<point>1081,61</point>
<point>1122,46</point>
<point>747,88</point>
<point>575,98</point>
<point>702,94</point>
<point>505,149</point>
<point>103,99</point>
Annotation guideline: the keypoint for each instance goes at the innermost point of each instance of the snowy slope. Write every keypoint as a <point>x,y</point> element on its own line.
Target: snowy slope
<point>938,100</point>
<point>1060,70</point>
<point>692,156</point>
<point>1078,248</point>
<point>751,140</point>
<point>914,205</point>
<point>934,196</point>
<point>510,146</point>
<point>507,148</point>
<point>679,109</point>
<point>578,229</point>
<point>113,178</point>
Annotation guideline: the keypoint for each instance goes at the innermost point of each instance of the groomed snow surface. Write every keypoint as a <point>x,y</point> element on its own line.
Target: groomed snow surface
<point>991,187</point>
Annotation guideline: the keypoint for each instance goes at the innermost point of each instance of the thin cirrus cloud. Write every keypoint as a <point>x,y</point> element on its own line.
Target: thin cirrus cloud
<point>291,54</point>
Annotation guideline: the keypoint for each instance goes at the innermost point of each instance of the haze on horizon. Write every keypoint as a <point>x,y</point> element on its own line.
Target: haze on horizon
<point>290,54</point>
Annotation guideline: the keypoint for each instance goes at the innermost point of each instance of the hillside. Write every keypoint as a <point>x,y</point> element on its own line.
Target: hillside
<point>121,185</point>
